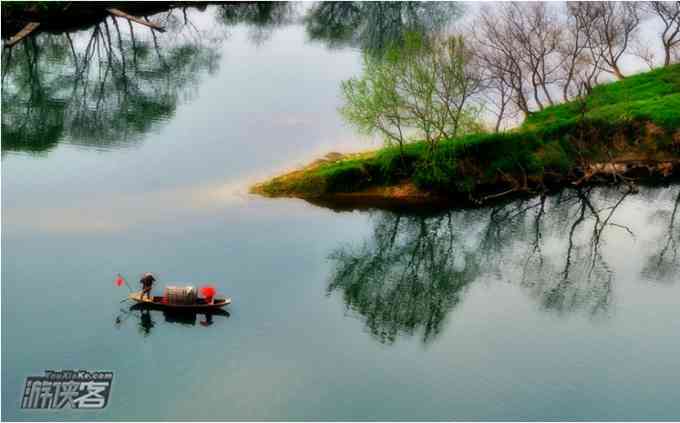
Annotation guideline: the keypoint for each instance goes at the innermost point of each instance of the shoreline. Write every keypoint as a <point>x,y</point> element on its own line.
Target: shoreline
<point>405,195</point>
<point>622,133</point>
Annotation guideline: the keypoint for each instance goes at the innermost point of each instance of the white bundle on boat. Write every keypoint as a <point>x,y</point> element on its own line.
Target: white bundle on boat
<point>183,295</point>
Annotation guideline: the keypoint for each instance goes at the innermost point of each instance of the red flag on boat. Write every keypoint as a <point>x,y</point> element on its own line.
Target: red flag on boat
<point>119,280</point>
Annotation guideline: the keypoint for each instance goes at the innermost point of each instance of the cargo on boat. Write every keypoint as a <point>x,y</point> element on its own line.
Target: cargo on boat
<point>180,299</point>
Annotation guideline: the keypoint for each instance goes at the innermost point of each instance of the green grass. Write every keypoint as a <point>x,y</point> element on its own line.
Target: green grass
<point>613,100</point>
<point>617,121</point>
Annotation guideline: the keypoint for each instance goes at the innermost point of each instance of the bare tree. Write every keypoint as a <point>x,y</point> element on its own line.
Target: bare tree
<point>644,52</point>
<point>615,27</point>
<point>579,64</point>
<point>500,55</point>
<point>669,13</point>
<point>498,96</point>
<point>530,52</point>
<point>536,32</point>
<point>518,45</point>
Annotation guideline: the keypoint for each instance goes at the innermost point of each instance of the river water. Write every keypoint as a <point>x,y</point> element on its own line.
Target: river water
<point>131,156</point>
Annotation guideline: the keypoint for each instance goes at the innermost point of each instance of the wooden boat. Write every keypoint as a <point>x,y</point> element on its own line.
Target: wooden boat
<point>200,304</point>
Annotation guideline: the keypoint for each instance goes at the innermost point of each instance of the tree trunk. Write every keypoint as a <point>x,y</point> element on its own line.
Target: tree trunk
<point>617,72</point>
<point>501,112</point>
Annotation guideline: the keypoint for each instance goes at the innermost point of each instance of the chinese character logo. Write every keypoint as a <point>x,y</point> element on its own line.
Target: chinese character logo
<point>72,388</point>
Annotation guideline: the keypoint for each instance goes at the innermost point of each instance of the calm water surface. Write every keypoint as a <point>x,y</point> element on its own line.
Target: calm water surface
<point>558,308</point>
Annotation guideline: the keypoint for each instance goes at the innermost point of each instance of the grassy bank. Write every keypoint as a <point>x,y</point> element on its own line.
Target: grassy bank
<point>622,132</point>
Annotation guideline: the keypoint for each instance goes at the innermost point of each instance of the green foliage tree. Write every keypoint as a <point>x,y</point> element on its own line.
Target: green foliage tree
<point>373,103</point>
<point>424,88</point>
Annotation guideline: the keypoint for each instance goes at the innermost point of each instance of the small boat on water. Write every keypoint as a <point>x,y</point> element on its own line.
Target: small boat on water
<point>162,303</point>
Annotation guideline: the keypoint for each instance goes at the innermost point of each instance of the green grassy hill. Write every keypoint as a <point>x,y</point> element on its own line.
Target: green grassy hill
<point>628,124</point>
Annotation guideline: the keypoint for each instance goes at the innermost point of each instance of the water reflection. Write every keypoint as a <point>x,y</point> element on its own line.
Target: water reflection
<point>146,321</point>
<point>102,87</point>
<point>414,270</point>
<point>663,264</point>
<point>371,26</point>
<point>262,17</point>
<point>408,277</point>
<point>108,85</point>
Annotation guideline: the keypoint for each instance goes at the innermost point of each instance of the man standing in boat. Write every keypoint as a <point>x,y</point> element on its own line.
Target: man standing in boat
<point>147,281</point>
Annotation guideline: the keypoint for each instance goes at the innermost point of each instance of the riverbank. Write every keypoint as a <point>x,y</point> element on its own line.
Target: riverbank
<point>625,132</point>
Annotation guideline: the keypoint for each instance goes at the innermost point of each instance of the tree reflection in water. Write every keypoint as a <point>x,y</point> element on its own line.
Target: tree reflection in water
<point>372,26</point>
<point>408,277</point>
<point>415,269</point>
<point>663,264</point>
<point>262,18</point>
<point>108,85</point>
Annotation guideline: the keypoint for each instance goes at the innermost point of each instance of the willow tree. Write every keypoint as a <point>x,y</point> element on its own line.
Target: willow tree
<point>423,89</point>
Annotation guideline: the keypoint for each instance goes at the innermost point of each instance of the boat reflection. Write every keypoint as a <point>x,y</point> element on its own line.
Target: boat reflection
<point>147,317</point>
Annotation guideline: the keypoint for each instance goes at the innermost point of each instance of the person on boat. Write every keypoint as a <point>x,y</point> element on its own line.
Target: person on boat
<point>147,281</point>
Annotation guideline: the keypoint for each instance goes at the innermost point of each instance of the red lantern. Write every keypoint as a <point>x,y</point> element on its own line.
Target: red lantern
<point>208,292</point>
